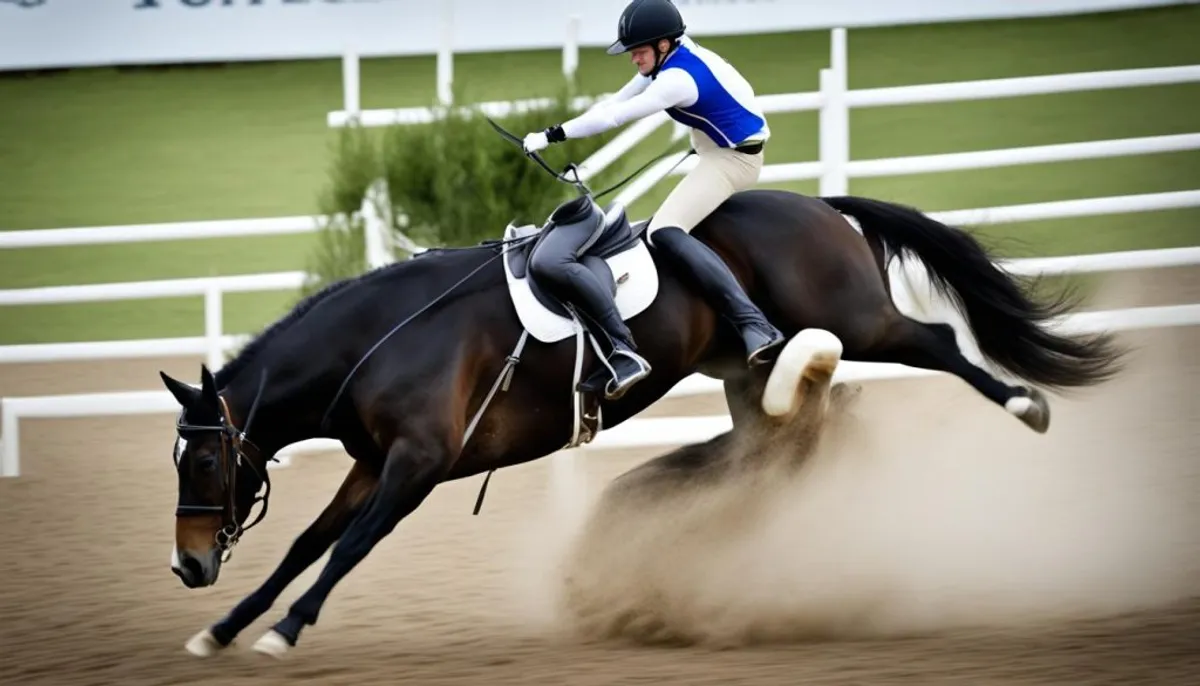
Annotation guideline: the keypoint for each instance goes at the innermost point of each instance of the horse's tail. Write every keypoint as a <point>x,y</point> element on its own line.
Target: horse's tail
<point>1011,328</point>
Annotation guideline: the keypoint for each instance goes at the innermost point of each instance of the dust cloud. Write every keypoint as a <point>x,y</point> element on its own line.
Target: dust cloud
<point>922,508</point>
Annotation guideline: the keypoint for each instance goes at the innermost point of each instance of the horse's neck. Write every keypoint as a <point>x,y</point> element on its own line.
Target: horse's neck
<point>288,411</point>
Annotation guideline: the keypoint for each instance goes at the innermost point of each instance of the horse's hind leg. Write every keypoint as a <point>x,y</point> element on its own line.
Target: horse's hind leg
<point>933,346</point>
<point>414,466</point>
<point>308,547</point>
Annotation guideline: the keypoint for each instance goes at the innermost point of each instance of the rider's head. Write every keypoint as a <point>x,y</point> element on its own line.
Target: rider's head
<point>649,30</point>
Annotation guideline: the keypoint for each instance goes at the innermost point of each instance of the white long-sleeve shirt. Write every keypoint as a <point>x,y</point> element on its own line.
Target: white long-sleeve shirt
<point>695,87</point>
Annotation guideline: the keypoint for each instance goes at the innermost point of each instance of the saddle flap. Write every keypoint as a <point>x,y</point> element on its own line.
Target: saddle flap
<point>516,259</point>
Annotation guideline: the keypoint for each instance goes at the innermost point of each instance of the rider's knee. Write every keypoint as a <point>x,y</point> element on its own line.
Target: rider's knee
<point>546,266</point>
<point>663,232</point>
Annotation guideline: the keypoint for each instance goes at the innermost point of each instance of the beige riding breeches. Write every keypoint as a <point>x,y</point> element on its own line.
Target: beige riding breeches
<point>718,174</point>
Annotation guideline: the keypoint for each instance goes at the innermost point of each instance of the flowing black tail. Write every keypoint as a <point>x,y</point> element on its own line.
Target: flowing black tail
<point>1011,329</point>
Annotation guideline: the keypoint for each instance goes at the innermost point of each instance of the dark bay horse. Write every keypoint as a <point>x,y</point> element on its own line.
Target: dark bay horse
<point>402,411</point>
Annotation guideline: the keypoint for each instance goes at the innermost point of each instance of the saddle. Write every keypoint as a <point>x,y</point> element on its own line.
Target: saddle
<point>617,254</point>
<point>611,234</point>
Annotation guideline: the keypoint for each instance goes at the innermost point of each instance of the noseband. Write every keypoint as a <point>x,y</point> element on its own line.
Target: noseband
<point>235,449</point>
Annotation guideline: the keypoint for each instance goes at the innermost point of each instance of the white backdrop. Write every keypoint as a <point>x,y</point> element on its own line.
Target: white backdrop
<point>59,33</point>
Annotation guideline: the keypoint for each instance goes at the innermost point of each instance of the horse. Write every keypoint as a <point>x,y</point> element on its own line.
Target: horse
<point>485,371</point>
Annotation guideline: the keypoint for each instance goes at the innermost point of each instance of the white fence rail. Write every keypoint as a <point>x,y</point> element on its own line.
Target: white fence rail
<point>653,432</point>
<point>215,342</point>
<point>353,114</point>
<point>834,101</point>
<point>379,239</point>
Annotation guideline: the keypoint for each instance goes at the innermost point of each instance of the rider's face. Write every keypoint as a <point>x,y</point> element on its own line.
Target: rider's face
<point>643,57</point>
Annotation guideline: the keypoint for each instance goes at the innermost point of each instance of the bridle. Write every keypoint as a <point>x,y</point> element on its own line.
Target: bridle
<point>235,449</point>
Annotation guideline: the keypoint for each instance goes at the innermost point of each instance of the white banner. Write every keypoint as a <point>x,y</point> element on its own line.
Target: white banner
<point>62,33</point>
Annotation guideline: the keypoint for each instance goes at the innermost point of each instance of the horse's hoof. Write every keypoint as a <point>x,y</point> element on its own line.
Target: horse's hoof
<point>203,644</point>
<point>1033,409</point>
<point>272,643</point>
<point>813,354</point>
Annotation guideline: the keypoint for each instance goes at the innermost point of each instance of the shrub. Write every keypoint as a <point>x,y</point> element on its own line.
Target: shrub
<point>452,182</point>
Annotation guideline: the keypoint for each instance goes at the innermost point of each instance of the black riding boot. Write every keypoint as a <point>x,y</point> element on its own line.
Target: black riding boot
<point>720,289</point>
<point>555,265</point>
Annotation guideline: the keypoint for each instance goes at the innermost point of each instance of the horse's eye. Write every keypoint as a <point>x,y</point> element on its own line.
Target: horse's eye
<point>208,465</point>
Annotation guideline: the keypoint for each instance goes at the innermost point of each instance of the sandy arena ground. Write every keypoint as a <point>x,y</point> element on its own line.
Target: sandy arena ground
<point>941,549</point>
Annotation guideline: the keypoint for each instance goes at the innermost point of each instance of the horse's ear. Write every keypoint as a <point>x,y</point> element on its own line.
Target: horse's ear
<point>208,386</point>
<point>188,396</point>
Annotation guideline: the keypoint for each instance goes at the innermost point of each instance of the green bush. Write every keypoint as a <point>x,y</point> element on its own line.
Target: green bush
<point>457,181</point>
<point>453,182</point>
<point>340,250</point>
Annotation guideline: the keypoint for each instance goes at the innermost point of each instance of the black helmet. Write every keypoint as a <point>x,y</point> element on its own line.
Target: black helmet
<point>646,21</point>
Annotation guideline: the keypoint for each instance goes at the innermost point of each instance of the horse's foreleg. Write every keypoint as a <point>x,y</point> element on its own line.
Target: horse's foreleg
<point>933,346</point>
<point>308,547</point>
<point>412,470</point>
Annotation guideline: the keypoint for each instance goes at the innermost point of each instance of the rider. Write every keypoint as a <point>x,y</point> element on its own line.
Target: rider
<point>698,88</point>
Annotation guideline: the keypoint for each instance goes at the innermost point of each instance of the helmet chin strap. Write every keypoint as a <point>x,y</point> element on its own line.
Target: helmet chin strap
<point>660,57</point>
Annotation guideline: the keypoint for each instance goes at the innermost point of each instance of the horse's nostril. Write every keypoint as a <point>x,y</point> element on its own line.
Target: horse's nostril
<point>193,568</point>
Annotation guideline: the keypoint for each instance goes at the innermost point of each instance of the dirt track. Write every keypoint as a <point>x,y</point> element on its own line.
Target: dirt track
<point>88,598</point>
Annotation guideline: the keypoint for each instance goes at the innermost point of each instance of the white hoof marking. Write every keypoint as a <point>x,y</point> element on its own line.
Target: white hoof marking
<point>273,644</point>
<point>1019,406</point>
<point>780,392</point>
<point>203,644</point>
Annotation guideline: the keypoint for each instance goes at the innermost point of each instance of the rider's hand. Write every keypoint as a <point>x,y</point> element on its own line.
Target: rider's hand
<point>536,141</point>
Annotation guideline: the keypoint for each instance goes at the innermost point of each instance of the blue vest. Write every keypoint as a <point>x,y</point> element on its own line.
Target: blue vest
<point>716,112</point>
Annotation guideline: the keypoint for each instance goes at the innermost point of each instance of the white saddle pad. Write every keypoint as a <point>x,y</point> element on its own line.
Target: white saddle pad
<point>633,269</point>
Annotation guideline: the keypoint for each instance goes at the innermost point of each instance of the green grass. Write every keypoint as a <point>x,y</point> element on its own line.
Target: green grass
<point>109,146</point>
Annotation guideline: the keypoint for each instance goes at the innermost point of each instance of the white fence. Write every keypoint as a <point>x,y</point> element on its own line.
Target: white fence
<point>834,169</point>
<point>653,432</point>
<point>834,101</point>
<point>379,240</point>
<point>213,345</point>
<point>215,342</point>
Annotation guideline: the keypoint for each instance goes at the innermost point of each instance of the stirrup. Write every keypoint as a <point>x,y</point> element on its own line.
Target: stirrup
<point>762,354</point>
<point>617,392</point>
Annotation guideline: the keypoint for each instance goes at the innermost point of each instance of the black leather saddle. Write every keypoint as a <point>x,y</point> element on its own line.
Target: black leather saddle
<point>610,236</point>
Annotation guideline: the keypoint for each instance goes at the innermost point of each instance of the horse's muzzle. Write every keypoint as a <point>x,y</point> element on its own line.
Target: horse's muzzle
<point>196,571</point>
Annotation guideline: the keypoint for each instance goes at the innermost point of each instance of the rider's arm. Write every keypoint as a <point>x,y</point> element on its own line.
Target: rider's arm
<point>672,88</point>
<point>634,87</point>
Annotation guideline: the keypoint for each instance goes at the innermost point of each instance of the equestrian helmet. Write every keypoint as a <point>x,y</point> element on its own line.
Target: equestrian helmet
<point>644,22</point>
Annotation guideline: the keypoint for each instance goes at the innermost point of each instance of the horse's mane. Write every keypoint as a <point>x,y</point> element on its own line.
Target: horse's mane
<point>246,355</point>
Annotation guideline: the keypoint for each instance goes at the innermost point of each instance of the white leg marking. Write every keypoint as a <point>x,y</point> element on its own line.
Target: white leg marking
<point>203,644</point>
<point>779,395</point>
<point>273,644</point>
<point>1019,406</point>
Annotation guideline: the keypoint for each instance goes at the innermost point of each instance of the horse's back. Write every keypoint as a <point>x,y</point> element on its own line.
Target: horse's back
<point>785,232</point>
<point>800,259</point>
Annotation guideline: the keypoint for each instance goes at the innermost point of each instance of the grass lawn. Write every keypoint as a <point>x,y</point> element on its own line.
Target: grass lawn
<point>120,146</point>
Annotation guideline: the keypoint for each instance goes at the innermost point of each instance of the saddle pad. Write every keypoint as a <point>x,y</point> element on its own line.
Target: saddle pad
<point>633,296</point>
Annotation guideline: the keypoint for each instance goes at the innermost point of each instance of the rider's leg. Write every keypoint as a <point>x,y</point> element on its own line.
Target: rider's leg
<point>718,174</point>
<point>555,265</point>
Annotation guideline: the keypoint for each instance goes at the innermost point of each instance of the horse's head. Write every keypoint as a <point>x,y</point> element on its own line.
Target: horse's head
<point>220,473</point>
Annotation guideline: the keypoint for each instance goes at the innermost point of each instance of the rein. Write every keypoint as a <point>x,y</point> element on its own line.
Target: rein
<point>503,380</point>
<point>345,382</point>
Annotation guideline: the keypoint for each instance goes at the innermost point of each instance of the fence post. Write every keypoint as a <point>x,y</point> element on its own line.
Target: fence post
<point>835,119</point>
<point>351,100</point>
<point>375,226</point>
<point>212,328</point>
<point>570,55</point>
<point>10,441</point>
<point>445,56</point>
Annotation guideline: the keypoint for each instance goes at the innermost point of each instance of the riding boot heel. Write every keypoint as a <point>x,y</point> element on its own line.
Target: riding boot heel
<point>721,290</point>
